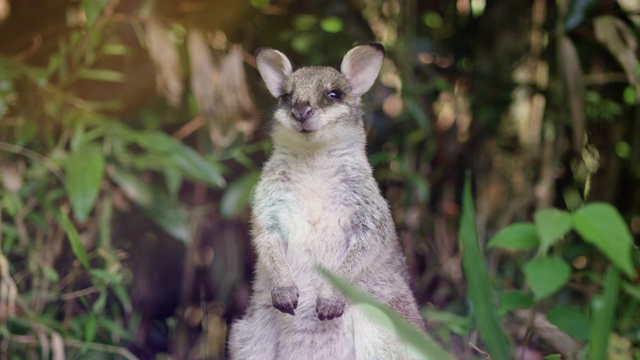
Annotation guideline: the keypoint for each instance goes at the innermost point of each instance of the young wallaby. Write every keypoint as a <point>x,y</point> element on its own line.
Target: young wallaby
<point>317,204</point>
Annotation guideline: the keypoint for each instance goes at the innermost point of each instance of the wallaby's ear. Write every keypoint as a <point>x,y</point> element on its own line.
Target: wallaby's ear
<point>274,67</point>
<point>361,66</point>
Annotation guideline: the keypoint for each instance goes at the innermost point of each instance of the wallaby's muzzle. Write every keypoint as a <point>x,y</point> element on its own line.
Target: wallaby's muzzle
<point>302,111</point>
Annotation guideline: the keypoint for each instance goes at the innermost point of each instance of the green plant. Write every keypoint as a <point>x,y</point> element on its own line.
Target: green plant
<point>547,274</point>
<point>67,168</point>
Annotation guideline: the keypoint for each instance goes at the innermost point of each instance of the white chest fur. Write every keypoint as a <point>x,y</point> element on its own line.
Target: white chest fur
<point>311,215</point>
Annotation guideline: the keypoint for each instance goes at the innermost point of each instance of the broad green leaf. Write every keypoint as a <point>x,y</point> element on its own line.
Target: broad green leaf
<point>384,316</point>
<point>551,225</point>
<point>546,275</point>
<point>84,171</point>
<point>512,300</point>
<point>603,309</point>
<point>478,284</point>
<point>516,236</point>
<point>552,357</point>
<point>601,225</point>
<point>165,212</point>
<point>74,240</point>
<point>238,194</point>
<point>105,75</point>
<point>570,320</point>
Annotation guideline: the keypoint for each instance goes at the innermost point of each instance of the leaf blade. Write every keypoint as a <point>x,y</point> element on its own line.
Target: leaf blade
<point>519,236</point>
<point>478,284</point>
<point>411,336</point>
<point>601,225</point>
<point>546,275</point>
<point>84,172</point>
<point>74,240</point>
<point>551,225</point>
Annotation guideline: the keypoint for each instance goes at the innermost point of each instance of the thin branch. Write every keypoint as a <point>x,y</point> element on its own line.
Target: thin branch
<point>484,353</point>
<point>80,293</point>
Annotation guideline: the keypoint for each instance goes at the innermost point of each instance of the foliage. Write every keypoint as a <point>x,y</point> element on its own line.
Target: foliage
<point>129,129</point>
<point>67,163</point>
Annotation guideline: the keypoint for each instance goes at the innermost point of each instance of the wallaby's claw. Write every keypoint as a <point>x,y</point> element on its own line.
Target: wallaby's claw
<point>330,308</point>
<point>285,298</point>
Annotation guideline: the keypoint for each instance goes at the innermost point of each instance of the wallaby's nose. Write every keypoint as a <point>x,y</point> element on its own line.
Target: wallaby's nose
<point>302,111</point>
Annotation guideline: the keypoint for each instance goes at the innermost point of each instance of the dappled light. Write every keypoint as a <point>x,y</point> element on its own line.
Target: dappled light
<point>504,135</point>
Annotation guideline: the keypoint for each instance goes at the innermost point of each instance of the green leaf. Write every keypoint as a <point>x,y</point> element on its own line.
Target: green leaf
<point>570,320</point>
<point>601,225</point>
<point>512,300</point>
<point>105,75</point>
<point>173,179</point>
<point>455,323</point>
<point>546,275</point>
<point>165,212</point>
<point>238,194</point>
<point>90,328</point>
<point>384,316</point>
<point>101,277</point>
<point>192,164</point>
<point>551,225</point>
<point>74,240</point>
<point>92,9</point>
<point>516,236</point>
<point>123,296</point>
<point>603,312</point>
<point>99,304</point>
<point>84,171</point>
<point>478,284</point>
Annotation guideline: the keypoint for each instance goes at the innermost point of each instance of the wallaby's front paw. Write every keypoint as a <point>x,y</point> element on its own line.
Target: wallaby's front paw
<point>329,307</point>
<point>285,298</point>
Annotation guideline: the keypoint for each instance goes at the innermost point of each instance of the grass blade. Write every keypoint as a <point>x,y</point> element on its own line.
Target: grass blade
<point>416,339</point>
<point>604,307</point>
<point>478,284</point>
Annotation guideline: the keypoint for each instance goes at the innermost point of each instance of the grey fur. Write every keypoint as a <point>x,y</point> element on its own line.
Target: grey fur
<point>317,204</point>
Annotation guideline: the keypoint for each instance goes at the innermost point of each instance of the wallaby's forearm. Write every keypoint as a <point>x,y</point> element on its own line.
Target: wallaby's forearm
<point>269,249</point>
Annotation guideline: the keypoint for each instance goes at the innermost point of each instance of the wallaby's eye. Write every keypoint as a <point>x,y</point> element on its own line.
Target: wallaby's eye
<point>285,97</point>
<point>335,94</point>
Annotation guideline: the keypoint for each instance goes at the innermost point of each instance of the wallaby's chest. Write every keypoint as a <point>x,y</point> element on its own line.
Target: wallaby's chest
<point>312,215</point>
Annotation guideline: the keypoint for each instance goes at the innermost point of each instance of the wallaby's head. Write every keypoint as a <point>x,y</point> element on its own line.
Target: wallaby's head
<point>319,104</point>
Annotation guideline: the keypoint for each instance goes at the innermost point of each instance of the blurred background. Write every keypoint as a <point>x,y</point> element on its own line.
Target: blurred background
<point>133,131</point>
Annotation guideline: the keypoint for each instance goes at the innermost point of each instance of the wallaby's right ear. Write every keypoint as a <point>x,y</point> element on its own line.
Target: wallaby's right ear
<point>274,67</point>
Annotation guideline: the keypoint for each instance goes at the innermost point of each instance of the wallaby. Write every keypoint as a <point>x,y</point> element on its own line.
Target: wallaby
<point>317,204</point>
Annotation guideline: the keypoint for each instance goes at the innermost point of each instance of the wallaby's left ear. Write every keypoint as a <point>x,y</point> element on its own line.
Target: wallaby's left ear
<point>274,67</point>
<point>361,66</point>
